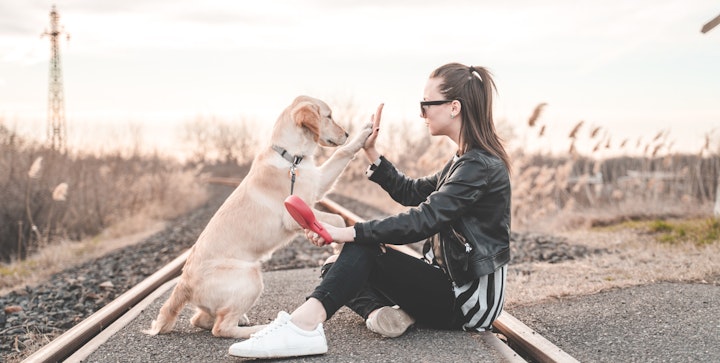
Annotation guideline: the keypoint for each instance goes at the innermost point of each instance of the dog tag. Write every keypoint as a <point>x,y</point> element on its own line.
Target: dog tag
<point>302,214</point>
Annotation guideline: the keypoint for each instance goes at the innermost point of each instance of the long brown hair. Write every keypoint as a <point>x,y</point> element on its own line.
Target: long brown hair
<point>473,87</point>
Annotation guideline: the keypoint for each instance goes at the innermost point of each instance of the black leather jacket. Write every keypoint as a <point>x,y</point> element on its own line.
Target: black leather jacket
<point>463,211</point>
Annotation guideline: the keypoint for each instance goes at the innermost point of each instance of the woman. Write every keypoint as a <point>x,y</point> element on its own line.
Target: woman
<point>463,212</point>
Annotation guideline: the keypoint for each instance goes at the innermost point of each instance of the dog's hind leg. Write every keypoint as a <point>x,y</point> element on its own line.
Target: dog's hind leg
<point>226,325</point>
<point>169,311</point>
<point>202,320</point>
<point>236,291</point>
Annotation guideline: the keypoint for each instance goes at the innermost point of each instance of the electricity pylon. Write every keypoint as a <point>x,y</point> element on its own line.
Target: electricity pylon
<point>56,102</point>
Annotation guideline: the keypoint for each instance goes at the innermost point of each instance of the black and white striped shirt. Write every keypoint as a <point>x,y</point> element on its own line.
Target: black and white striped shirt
<point>481,301</point>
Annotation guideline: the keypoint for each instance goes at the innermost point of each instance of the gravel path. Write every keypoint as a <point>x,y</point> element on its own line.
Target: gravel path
<point>34,315</point>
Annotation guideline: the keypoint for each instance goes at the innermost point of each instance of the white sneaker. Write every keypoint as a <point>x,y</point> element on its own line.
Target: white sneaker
<point>389,321</point>
<point>280,339</point>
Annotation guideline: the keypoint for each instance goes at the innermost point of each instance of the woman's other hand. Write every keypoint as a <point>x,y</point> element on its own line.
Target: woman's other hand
<point>339,235</point>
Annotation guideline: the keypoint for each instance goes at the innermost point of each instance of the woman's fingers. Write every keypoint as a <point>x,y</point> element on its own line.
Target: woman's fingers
<point>377,117</point>
<point>314,238</point>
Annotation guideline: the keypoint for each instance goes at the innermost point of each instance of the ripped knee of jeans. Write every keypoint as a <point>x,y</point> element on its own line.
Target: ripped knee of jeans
<point>328,263</point>
<point>325,267</point>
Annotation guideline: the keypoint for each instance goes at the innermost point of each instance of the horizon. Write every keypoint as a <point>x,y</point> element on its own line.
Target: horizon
<point>632,69</point>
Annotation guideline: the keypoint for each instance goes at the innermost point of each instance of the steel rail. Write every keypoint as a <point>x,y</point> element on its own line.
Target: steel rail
<point>531,343</point>
<point>63,346</point>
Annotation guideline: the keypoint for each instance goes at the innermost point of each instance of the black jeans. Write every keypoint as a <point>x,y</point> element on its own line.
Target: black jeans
<point>366,277</point>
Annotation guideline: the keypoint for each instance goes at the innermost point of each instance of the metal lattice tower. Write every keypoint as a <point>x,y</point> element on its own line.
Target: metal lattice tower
<point>56,100</point>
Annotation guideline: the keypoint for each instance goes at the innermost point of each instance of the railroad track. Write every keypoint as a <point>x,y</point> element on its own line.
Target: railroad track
<point>520,337</point>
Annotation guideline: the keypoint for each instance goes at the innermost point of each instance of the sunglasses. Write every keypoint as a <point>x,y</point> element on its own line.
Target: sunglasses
<point>425,104</point>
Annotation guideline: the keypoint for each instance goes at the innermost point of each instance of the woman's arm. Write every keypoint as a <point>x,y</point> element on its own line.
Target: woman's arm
<point>403,189</point>
<point>460,192</point>
<point>464,187</point>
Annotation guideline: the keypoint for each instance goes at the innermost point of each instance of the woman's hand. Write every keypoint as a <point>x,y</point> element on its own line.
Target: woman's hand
<point>369,146</point>
<point>339,235</point>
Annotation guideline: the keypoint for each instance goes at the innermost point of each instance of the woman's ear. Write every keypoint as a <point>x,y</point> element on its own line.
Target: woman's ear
<point>455,107</point>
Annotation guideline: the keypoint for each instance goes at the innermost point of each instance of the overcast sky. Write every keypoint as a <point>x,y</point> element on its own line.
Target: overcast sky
<point>632,67</point>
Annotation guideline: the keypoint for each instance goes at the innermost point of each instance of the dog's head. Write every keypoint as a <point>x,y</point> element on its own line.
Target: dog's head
<point>316,117</point>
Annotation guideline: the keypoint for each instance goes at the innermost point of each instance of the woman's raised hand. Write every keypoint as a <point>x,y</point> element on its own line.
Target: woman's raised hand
<point>369,146</point>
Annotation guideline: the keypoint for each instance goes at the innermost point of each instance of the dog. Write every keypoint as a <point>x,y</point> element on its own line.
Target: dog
<point>222,275</point>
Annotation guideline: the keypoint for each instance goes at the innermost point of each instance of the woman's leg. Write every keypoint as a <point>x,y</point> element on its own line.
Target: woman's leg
<point>347,276</point>
<point>366,278</point>
<point>423,291</point>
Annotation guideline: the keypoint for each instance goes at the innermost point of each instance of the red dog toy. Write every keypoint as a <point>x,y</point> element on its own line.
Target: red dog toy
<point>305,217</point>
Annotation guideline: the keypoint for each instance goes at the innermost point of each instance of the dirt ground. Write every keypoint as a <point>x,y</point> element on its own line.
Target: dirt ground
<point>634,258</point>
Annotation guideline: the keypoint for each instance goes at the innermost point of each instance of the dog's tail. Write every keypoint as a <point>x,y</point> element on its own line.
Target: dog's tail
<point>170,310</point>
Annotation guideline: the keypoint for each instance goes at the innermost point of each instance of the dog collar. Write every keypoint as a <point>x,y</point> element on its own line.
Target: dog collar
<point>293,159</point>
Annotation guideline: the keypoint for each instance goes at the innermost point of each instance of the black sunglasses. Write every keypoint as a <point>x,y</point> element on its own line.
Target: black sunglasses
<point>425,104</point>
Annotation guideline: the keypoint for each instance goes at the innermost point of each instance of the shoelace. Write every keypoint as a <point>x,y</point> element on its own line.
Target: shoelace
<point>266,330</point>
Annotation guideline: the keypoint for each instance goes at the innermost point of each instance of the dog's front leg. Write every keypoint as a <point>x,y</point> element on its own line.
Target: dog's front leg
<point>329,218</point>
<point>331,169</point>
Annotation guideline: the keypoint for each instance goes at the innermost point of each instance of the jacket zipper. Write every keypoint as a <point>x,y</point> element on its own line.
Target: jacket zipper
<point>468,248</point>
<point>447,263</point>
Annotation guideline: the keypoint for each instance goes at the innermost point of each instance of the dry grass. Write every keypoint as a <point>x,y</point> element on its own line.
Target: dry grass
<point>637,258</point>
<point>580,218</point>
<point>57,257</point>
<point>48,197</point>
<point>187,193</point>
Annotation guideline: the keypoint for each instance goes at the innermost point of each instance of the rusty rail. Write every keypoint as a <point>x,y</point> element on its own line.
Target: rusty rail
<point>70,341</point>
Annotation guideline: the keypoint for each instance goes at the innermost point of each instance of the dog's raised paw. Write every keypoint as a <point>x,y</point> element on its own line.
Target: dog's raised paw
<point>358,140</point>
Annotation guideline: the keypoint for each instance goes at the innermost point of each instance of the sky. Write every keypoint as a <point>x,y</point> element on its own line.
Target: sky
<point>632,68</point>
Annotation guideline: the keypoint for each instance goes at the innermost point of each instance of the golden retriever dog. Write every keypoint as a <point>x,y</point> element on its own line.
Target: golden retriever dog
<point>222,275</point>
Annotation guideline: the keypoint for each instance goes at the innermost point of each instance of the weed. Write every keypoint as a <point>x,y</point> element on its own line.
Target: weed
<point>697,231</point>
<point>658,226</point>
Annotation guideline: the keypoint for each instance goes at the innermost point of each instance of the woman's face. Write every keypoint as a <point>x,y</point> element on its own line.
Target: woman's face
<point>437,117</point>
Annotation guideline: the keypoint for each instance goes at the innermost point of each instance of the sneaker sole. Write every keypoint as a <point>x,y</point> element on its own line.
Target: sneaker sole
<point>282,353</point>
<point>391,322</point>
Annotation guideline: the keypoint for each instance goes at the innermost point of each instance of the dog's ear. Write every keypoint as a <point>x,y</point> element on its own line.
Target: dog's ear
<point>307,114</point>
